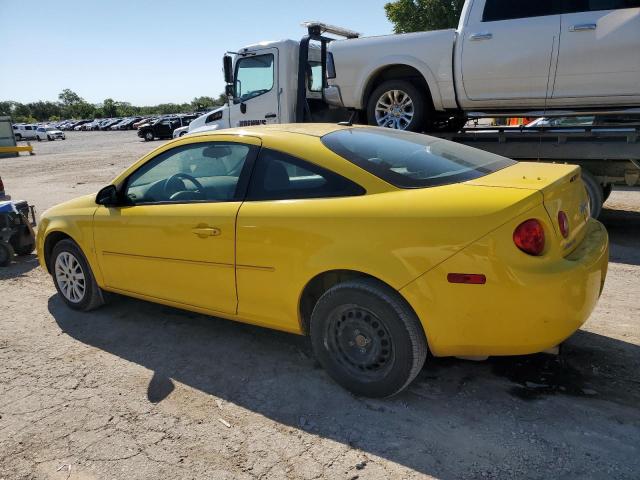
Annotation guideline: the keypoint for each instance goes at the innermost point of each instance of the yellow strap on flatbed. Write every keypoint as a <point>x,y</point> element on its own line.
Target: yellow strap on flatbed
<point>17,149</point>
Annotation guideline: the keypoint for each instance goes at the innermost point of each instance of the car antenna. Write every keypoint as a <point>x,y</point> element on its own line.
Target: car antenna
<point>349,123</point>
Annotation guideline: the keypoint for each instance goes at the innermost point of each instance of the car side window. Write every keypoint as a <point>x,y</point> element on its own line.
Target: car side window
<point>278,176</point>
<point>198,172</point>
<point>496,10</point>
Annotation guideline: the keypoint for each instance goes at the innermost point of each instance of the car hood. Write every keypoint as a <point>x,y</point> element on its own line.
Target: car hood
<point>72,207</point>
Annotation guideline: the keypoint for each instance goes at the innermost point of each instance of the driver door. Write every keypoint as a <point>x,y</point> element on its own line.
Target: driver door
<point>256,98</point>
<point>174,239</point>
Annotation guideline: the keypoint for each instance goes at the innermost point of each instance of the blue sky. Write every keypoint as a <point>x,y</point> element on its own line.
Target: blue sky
<point>149,52</point>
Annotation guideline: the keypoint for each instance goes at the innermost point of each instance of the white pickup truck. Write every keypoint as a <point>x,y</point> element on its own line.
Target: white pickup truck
<point>504,56</point>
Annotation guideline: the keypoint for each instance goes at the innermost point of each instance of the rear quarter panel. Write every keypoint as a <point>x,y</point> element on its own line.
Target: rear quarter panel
<point>394,236</point>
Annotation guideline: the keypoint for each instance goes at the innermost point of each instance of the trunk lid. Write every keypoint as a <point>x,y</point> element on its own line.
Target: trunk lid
<point>562,190</point>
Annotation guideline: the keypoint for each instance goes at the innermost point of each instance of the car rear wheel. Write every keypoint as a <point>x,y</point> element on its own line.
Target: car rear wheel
<point>397,104</point>
<point>367,338</point>
<point>18,137</point>
<point>73,277</point>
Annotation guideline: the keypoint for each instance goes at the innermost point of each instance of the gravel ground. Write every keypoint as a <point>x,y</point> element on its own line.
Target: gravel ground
<point>141,391</point>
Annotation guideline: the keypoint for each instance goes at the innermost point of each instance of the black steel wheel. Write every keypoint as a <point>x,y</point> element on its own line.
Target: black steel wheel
<point>367,338</point>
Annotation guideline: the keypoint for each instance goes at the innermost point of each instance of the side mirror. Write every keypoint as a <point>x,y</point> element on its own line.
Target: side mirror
<point>229,90</point>
<point>227,64</point>
<point>108,196</point>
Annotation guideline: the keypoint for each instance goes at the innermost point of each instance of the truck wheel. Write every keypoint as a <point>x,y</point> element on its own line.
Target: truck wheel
<point>595,192</point>
<point>25,250</point>
<point>397,104</point>
<point>6,253</point>
<point>73,277</point>
<point>148,136</point>
<point>367,338</point>
<point>606,191</point>
<point>18,137</point>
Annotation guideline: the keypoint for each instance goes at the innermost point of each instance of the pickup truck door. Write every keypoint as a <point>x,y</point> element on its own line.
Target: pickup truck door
<point>256,96</point>
<point>507,51</point>
<point>599,50</point>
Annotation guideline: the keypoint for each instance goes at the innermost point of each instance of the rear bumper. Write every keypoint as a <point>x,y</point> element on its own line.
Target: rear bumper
<point>520,310</point>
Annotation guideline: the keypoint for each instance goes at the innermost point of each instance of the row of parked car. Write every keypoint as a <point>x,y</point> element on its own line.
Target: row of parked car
<point>149,128</point>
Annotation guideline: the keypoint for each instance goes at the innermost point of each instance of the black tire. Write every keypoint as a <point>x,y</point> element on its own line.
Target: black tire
<point>148,136</point>
<point>49,138</point>
<point>421,108</point>
<point>92,296</point>
<point>18,137</point>
<point>6,253</point>
<point>182,134</point>
<point>25,250</point>
<point>367,338</point>
<point>595,193</point>
<point>39,139</point>
<point>606,192</point>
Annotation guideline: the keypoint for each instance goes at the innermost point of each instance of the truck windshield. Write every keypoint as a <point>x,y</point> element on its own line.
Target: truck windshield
<point>254,76</point>
<point>411,160</point>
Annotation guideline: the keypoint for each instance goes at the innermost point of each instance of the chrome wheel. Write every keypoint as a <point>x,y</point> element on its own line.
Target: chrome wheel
<point>360,342</point>
<point>70,277</point>
<point>394,109</point>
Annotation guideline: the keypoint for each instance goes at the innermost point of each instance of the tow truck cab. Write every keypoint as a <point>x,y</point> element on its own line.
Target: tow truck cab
<point>277,82</point>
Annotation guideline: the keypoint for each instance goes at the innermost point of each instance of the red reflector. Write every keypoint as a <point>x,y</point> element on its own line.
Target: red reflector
<point>470,278</point>
<point>563,222</point>
<point>529,237</point>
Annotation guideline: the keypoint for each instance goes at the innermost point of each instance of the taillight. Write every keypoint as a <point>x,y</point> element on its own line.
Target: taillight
<point>529,237</point>
<point>563,223</point>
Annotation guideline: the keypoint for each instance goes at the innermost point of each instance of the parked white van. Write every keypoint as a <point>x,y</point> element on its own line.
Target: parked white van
<point>25,132</point>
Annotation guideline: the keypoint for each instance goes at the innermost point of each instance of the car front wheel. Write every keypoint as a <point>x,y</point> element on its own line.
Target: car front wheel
<point>148,136</point>
<point>367,338</point>
<point>73,277</point>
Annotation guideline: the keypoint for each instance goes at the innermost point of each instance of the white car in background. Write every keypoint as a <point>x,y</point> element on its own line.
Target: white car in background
<point>179,132</point>
<point>24,132</point>
<point>49,133</point>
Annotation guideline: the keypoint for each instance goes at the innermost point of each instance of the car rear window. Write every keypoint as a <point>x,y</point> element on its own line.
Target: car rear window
<point>412,160</point>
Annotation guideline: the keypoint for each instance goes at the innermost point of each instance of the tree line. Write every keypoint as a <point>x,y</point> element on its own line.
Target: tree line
<point>72,105</point>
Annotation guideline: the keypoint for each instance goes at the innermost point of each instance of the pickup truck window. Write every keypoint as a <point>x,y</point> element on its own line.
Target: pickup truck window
<point>574,6</point>
<point>254,76</point>
<point>495,10</point>
<point>411,160</point>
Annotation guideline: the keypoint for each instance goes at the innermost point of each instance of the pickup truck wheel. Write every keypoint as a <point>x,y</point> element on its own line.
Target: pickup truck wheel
<point>367,338</point>
<point>397,104</point>
<point>18,137</point>
<point>595,193</point>
<point>148,136</point>
<point>6,253</point>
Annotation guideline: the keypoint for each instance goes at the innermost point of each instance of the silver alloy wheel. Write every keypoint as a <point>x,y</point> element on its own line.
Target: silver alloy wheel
<point>394,109</point>
<point>70,277</point>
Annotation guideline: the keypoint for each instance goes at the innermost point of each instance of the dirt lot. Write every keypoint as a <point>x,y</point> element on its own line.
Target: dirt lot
<point>141,391</point>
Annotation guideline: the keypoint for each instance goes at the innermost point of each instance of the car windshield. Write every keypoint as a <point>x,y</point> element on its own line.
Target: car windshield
<point>411,160</point>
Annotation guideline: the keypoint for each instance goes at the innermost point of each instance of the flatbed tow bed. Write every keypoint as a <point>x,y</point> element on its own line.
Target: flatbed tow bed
<point>608,155</point>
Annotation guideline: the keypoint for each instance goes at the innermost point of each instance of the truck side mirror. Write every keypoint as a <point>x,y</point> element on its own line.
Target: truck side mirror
<point>227,63</point>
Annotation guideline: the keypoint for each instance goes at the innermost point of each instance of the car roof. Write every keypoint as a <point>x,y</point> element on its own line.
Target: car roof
<point>312,129</point>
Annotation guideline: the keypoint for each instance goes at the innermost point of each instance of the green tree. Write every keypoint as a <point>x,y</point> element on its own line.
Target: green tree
<point>421,15</point>
<point>68,97</point>
<point>109,107</point>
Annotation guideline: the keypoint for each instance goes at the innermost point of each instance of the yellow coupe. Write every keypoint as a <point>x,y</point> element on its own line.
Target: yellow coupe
<point>380,244</point>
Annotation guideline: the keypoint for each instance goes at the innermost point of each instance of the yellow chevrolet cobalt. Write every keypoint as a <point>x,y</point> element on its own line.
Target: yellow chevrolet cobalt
<point>381,245</point>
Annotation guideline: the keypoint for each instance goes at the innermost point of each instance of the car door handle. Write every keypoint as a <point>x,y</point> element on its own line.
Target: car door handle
<point>270,115</point>
<point>583,27</point>
<point>204,232</point>
<point>481,36</point>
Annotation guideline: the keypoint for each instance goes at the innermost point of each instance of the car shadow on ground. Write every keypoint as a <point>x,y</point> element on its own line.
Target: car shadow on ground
<point>19,266</point>
<point>456,419</point>
<point>624,234</point>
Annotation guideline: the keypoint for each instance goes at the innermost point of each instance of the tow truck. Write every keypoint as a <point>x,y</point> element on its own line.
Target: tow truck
<point>285,82</point>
